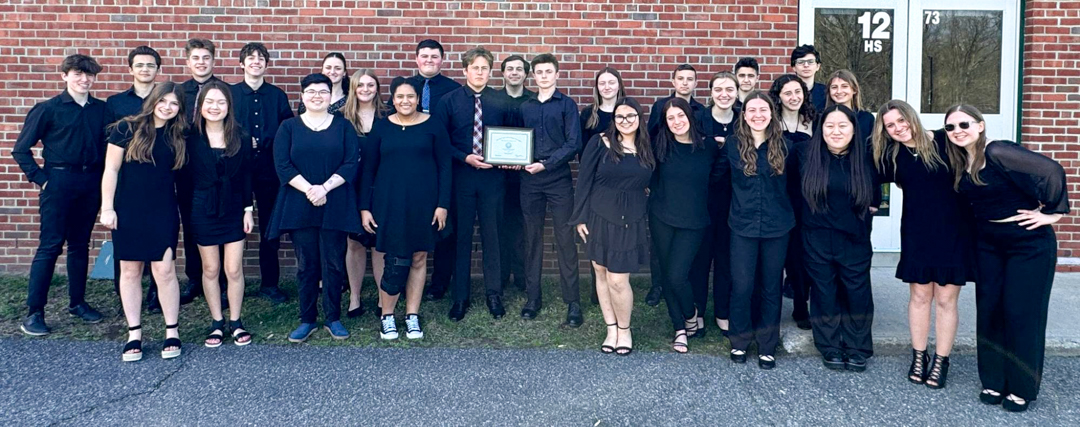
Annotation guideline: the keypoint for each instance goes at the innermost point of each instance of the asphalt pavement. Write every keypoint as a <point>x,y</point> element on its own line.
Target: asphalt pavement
<point>52,382</point>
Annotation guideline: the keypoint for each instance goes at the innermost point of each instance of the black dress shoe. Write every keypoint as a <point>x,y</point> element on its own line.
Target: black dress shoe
<point>434,295</point>
<point>457,311</point>
<point>530,310</point>
<point>356,312</point>
<point>273,294</point>
<point>833,361</point>
<point>803,324</point>
<point>34,325</point>
<point>653,298</point>
<point>190,292</point>
<point>85,312</point>
<point>573,315</point>
<point>495,306</point>
<point>855,362</point>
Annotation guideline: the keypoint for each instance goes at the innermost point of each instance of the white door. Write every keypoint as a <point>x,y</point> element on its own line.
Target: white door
<point>930,53</point>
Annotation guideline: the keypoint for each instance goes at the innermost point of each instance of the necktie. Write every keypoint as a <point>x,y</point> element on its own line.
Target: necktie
<point>425,99</point>
<point>478,128</point>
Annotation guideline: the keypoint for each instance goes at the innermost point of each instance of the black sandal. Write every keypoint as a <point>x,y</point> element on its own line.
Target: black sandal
<point>622,350</point>
<point>607,349</point>
<point>133,345</point>
<point>239,333</point>
<point>676,345</point>
<point>692,328</point>
<point>1014,403</point>
<point>917,371</point>
<point>990,397</point>
<point>939,372</point>
<point>171,342</point>
<point>216,332</point>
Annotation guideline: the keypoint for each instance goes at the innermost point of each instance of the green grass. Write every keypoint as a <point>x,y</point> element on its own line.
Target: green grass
<point>272,324</point>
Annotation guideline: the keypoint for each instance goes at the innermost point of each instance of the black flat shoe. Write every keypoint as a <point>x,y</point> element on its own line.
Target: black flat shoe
<point>738,356</point>
<point>86,313</point>
<point>939,372</point>
<point>574,318</point>
<point>356,312</point>
<point>917,371</point>
<point>653,298</point>
<point>457,311</point>
<point>855,363</point>
<point>530,310</point>
<point>833,361</point>
<point>803,324</point>
<point>766,361</point>
<point>273,294</point>
<point>991,397</point>
<point>1014,403</point>
<point>495,306</point>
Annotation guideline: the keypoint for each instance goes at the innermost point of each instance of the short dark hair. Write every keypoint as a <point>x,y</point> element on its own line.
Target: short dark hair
<point>401,81</point>
<point>143,50</point>
<point>314,79</point>
<point>80,62</point>
<point>683,67</point>
<point>253,48</point>
<point>801,51</point>
<point>193,44</point>
<point>513,58</point>
<point>477,52</point>
<point>545,58</point>
<point>747,63</point>
<point>430,44</point>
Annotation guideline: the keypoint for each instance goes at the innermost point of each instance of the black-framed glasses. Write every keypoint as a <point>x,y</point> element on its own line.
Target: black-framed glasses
<point>629,118</point>
<point>806,62</point>
<point>963,125</point>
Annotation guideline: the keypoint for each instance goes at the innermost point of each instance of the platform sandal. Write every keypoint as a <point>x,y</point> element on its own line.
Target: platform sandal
<point>133,345</point>
<point>216,334</point>
<point>171,342</point>
<point>239,334</point>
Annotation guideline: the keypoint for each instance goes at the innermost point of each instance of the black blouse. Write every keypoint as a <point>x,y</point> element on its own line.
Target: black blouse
<point>840,212</point>
<point>760,205</point>
<point>226,179</point>
<point>316,155</point>
<point>1016,178</point>
<point>680,185</point>
<point>602,123</point>
<point>616,194</point>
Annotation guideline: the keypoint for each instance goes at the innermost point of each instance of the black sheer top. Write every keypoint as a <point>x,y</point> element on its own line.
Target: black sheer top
<point>614,191</point>
<point>1016,178</point>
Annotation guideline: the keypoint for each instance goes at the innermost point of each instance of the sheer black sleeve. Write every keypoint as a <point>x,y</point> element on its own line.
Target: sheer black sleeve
<point>590,160</point>
<point>1037,175</point>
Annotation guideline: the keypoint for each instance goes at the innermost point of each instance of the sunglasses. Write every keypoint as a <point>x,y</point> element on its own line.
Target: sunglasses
<point>963,125</point>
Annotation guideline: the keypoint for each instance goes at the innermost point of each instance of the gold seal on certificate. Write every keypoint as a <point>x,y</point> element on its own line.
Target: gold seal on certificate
<point>508,146</point>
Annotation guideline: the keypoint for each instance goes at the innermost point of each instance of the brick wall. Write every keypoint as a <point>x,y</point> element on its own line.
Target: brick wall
<point>644,39</point>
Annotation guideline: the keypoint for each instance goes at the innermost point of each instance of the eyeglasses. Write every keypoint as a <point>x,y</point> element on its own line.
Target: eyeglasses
<point>630,118</point>
<point>963,125</point>
<point>316,92</point>
<point>806,62</point>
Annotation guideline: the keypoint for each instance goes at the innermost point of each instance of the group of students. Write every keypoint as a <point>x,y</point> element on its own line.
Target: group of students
<point>754,187</point>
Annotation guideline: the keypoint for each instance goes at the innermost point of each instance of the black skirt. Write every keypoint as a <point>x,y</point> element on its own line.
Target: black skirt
<point>214,230</point>
<point>619,248</point>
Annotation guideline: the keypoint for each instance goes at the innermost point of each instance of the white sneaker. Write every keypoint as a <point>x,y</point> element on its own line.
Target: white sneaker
<point>412,327</point>
<point>389,328</point>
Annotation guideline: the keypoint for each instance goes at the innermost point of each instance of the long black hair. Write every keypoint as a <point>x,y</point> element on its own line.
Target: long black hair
<point>666,139</point>
<point>815,169</point>
<point>641,137</point>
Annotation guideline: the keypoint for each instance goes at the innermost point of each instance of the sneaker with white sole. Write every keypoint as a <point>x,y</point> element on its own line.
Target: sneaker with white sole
<point>412,327</point>
<point>389,328</point>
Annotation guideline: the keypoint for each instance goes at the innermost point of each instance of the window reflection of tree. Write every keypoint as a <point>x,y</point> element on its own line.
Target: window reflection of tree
<point>962,61</point>
<point>838,37</point>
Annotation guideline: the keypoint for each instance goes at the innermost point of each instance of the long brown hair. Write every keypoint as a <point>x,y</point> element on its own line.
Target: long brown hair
<point>665,140</point>
<point>143,133</point>
<point>777,152</point>
<point>594,116</point>
<point>958,157</point>
<point>886,147</point>
<point>641,137</point>
<point>232,129</point>
<point>351,111</point>
<point>849,77</point>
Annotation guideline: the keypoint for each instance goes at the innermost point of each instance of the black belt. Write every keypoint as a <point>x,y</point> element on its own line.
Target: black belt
<point>76,168</point>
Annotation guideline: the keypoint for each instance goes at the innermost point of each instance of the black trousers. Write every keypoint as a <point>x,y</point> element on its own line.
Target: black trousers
<point>477,194</point>
<point>676,248</point>
<point>796,275</point>
<point>1012,295</point>
<point>511,232</point>
<point>713,254</point>
<point>442,270</point>
<point>68,207</point>
<point>266,192</point>
<point>320,255</point>
<point>552,188</point>
<point>756,262</point>
<point>841,300</point>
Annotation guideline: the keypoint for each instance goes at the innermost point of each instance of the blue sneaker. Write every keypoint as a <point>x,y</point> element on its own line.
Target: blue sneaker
<point>302,332</point>
<point>337,330</point>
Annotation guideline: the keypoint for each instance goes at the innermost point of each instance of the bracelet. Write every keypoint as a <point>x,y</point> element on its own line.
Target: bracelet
<point>249,209</point>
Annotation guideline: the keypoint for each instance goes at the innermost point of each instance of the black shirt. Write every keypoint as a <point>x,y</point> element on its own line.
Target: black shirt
<point>515,103</point>
<point>602,123</point>
<point>456,111</point>
<point>679,191</point>
<point>613,191</point>
<point>260,112</point>
<point>760,205</point>
<point>123,104</point>
<point>191,95</point>
<point>840,212</point>
<point>556,129</point>
<point>226,179</point>
<point>72,135</point>
<point>819,96</point>
<point>656,117</point>
<point>437,87</point>
<point>1016,178</point>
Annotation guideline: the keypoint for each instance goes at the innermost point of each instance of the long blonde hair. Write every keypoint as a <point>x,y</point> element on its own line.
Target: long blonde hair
<point>886,147</point>
<point>143,132</point>
<point>351,111</point>
<point>958,157</point>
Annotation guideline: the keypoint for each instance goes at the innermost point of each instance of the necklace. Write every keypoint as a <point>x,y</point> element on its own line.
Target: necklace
<point>320,126</point>
<point>401,119</point>
<point>912,151</point>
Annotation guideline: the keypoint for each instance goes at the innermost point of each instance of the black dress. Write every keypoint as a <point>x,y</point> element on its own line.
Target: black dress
<point>332,109</point>
<point>315,155</point>
<point>147,219</point>
<point>610,200</point>
<point>222,190</point>
<point>936,240</point>
<point>406,176</point>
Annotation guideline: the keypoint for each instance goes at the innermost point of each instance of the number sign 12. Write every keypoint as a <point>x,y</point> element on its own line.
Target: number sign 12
<point>881,19</point>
